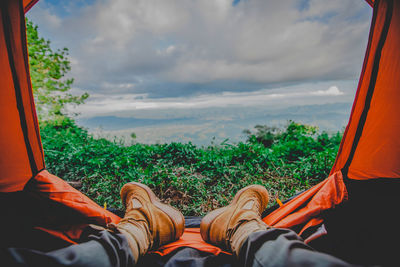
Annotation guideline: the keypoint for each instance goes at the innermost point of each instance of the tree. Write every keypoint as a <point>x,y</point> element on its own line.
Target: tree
<point>48,68</point>
<point>264,134</point>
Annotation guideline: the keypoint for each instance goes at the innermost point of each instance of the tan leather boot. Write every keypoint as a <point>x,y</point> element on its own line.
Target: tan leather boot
<point>229,227</point>
<point>148,223</point>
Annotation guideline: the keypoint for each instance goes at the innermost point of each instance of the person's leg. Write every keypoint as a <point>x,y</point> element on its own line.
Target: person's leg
<point>147,224</point>
<point>239,229</point>
<point>101,249</point>
<point>282,247</point>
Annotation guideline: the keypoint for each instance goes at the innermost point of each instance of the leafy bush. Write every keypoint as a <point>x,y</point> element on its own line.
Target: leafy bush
<point>48,69</point>
<point>193,179</point>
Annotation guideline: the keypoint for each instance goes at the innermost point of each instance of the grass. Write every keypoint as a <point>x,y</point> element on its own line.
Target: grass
<point>193,179</point>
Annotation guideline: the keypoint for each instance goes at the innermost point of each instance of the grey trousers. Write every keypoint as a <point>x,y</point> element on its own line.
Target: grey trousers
<point>282,247</point>
<point>273,247</point>
<point>101,248</point>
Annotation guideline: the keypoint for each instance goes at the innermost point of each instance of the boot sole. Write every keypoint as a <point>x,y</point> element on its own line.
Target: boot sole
<point>210,217</point>
<point>174,214</point>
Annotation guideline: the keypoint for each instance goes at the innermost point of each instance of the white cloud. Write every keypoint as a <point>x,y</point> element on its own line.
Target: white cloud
<point>332,91</point>
<point>305,94</point>
<point>141,42</point>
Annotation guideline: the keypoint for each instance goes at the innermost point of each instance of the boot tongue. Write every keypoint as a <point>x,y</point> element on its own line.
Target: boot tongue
<point>136,204</point>
<point>248,205</point>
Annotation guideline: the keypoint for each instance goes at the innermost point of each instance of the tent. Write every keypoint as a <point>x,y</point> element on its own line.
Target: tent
<point>351,214</point>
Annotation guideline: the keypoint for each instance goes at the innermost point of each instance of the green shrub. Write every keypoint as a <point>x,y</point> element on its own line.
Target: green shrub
<point>193,179</point>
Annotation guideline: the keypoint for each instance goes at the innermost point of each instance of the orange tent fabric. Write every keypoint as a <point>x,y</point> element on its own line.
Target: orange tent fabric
<point>371,147</point>
<point>190,238</point>
<point>28,4</point>
<point>22,166</point>
<point>51,187</point>
<point>22,154</point>
<point>310,204</point>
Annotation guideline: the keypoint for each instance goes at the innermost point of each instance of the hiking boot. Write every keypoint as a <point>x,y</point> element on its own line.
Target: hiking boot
<point>148,223</point>
<point>229,227</point>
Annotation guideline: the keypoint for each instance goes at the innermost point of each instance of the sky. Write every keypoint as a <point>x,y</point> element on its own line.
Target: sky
<point>173,70</point>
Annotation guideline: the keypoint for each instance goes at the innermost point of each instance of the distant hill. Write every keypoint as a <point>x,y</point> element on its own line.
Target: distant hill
<point>201,126</point>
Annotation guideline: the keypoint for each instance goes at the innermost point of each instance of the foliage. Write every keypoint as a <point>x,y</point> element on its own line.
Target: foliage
<point>299,150</point>
<point>265,135</point>
<point>194,179</point>
<point>48,68</point>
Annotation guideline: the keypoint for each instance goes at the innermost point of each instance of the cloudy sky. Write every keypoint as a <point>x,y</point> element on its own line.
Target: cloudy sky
<point>182,59</point>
